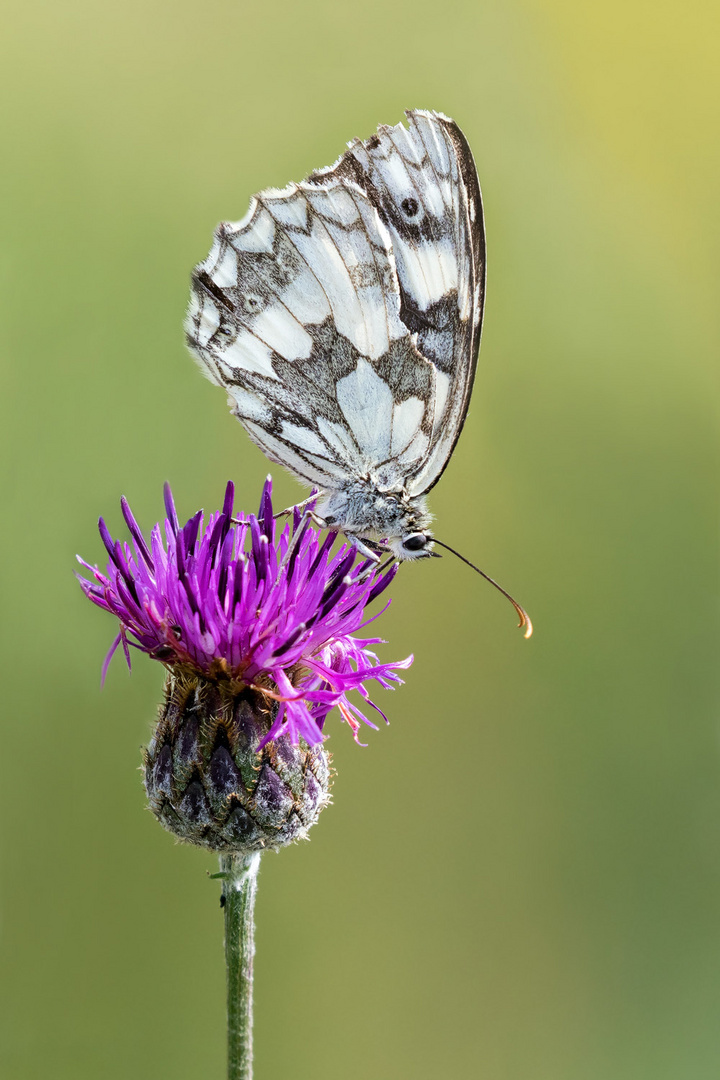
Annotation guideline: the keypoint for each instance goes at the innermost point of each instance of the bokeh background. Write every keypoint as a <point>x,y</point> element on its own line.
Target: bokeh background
<point>520,877</point>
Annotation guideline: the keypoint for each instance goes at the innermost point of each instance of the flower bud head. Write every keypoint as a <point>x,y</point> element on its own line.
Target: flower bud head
<point>208,783</point>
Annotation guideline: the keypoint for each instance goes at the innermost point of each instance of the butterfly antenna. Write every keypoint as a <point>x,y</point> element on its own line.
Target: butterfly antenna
<point>522,613</point>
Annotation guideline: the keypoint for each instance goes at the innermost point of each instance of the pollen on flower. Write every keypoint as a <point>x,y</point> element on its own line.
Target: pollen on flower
<point>238,599</point>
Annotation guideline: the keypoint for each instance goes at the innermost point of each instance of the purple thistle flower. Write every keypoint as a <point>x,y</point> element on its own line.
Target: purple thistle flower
<point>238,600</point>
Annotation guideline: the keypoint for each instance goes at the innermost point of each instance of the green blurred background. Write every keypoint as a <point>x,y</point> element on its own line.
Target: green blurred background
<point>520,878</point>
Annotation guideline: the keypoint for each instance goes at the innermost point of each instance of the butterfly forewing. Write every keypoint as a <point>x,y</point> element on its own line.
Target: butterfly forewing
<point>425,184</point>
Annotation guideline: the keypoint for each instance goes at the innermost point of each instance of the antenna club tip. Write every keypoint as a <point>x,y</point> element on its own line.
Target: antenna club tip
<point>522,613</point>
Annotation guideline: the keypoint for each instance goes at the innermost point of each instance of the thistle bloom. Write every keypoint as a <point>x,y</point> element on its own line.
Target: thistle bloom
<point>237,599</point>
<point>254,624</point>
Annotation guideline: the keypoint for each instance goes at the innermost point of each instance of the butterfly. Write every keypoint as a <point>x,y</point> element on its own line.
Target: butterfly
<point>343,316</point>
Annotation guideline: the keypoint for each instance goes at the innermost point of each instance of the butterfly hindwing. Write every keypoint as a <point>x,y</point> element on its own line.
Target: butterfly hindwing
<point>342,314</point>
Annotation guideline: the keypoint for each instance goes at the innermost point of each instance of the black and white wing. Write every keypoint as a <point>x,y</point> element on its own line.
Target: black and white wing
<point>343,314</point>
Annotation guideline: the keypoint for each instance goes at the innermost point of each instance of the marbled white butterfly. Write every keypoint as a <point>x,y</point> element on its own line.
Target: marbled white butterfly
<point>343,316</point>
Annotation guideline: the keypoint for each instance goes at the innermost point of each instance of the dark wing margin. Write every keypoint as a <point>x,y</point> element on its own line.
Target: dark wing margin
<point>476,233</point>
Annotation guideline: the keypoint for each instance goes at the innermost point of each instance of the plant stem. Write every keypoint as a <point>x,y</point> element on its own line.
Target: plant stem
<point>239,877</point>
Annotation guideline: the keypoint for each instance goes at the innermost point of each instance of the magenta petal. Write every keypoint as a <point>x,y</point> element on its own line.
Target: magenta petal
<point>108,658</point>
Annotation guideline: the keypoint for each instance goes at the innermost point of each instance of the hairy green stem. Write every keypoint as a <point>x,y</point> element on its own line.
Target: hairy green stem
<point>239,878</point>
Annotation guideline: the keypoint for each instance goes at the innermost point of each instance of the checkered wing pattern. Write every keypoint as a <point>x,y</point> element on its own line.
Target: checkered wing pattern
<point>343,314</point>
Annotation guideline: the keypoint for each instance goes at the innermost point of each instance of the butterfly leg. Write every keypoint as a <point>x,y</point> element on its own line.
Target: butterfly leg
<point>367,548</point>
<point>298,506</point>
<point>375,570</point>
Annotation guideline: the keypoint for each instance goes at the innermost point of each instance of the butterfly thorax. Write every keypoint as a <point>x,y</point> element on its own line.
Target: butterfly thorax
<point>364,510</point>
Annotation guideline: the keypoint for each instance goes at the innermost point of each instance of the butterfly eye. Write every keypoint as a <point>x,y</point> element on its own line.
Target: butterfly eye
<point>410,207</point>
<point>415,541</point>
